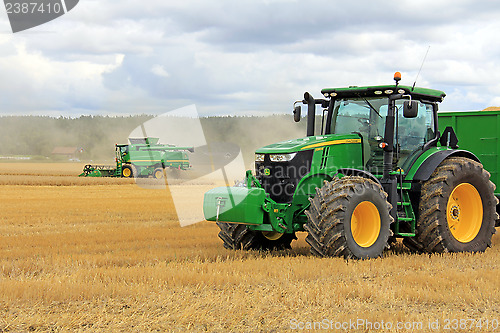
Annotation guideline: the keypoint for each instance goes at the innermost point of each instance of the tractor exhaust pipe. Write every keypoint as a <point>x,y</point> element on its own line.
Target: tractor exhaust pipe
<point>311,112</point>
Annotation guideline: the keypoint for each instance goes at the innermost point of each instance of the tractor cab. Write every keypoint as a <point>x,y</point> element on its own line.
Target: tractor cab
<point>391,118</point>
<point>366,116</point>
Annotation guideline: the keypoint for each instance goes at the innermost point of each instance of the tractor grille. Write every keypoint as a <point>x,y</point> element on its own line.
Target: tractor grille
<point>280,179</point>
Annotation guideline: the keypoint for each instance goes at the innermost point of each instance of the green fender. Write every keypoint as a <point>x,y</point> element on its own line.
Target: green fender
<point>427,162</point>
<point>307,187</point>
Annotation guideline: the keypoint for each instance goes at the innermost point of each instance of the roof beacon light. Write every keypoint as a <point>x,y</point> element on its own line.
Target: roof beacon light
<point>397,77</point>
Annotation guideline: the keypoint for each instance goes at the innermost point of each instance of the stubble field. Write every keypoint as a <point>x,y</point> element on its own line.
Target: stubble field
<point>80,254</point>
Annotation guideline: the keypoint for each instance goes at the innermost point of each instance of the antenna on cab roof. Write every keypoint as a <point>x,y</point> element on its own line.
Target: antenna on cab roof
<point>422,65</point>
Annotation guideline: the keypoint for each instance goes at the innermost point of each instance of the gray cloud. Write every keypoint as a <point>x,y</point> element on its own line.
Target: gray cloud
<point>248,56</point>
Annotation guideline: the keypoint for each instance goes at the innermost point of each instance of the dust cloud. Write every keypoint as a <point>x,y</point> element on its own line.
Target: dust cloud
<point>223,150</point>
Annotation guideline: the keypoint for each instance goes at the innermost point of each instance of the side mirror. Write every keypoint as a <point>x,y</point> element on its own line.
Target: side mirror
<point>296,113</point>
<point>410,109</point>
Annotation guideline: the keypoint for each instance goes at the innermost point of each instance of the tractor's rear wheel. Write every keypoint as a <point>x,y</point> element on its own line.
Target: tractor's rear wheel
<point>457,210</point>
<point>349,217</point>
<point>239,237</point>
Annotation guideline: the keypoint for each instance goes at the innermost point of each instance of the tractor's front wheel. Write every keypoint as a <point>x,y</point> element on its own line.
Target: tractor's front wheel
<point>457,211</point>
<point>349,217</point>
<point>239,237</point>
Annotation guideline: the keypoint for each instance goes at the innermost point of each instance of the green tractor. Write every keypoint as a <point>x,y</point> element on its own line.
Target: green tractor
<point>143,157</point>
<point>378,170</point>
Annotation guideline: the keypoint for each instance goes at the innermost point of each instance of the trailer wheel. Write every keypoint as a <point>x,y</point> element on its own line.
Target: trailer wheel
<point>457,211</point>
<point>349,217</point>
<point>128,171</point>
<point>239,237</point>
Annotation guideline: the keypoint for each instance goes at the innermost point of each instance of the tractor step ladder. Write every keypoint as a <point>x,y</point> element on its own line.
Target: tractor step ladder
<point>405,212</point>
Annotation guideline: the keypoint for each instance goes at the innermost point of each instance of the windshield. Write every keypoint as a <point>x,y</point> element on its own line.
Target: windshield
<point>360,115</point>
<point>123,149</point>
<point>366,116</point>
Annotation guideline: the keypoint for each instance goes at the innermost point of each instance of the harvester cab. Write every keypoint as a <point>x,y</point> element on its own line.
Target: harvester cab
<point>122,151</point>
<point>374,173</point>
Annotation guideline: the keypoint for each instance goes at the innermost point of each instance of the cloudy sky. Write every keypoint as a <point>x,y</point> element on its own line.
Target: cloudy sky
<point>244,57</point>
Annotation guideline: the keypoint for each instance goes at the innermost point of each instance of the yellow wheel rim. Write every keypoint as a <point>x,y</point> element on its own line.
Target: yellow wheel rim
<point>272,235</point>
<point>464,212</point>
<point>126,172</point>
<point>365,224</point>
<point>158,174</point>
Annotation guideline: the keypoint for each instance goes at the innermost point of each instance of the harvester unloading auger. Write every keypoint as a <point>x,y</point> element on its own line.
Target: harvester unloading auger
<point>143,157</point>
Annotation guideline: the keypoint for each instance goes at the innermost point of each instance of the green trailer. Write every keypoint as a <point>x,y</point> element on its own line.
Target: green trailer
<point>383,167</point>
<point>478,132</point>
<point>142,157</point>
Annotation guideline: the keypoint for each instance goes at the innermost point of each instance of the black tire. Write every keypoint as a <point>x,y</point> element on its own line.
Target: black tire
<point>239,237</point>
<point>158,173</point>
<point>413,244</point>
<point>332,219</point>
<point>128,171</point>
<point>439,228</point>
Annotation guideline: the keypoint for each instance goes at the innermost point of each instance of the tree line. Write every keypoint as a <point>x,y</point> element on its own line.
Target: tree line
<point>37,136</point>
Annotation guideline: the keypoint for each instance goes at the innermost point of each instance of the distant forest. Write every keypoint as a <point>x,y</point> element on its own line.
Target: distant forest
<point>37,136</point>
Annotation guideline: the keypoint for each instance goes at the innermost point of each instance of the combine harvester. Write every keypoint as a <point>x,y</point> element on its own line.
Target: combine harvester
<point>143,157</point>
<point>381,168</point>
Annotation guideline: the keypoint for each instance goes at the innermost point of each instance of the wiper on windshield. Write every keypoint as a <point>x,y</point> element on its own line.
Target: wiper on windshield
<point>371,106</point>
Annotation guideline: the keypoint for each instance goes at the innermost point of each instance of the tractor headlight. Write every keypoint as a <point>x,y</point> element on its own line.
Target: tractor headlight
<point>282,157</point>
<point>259,157</point>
